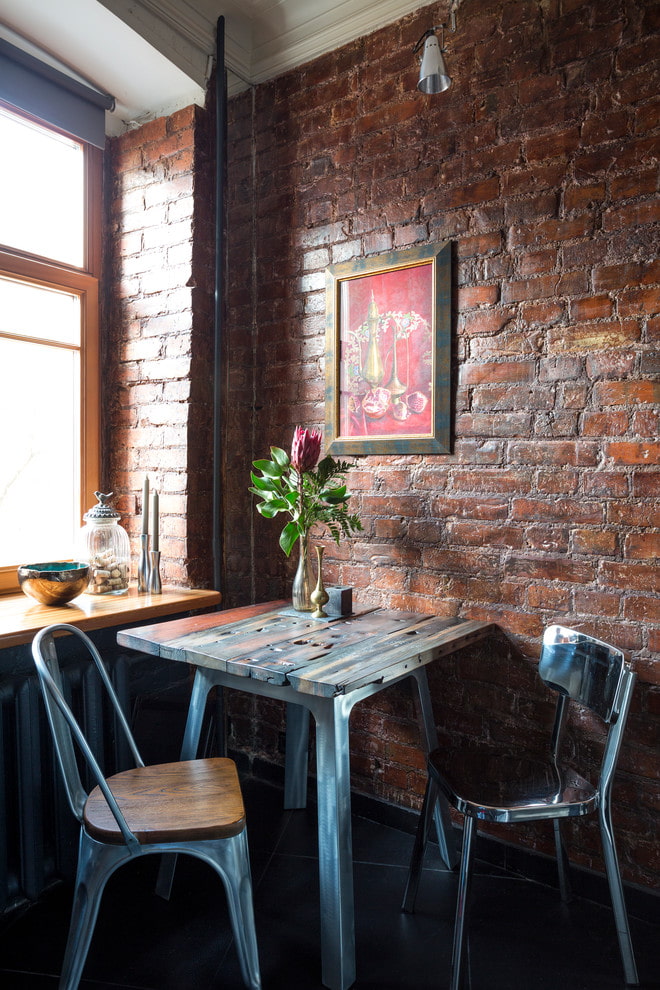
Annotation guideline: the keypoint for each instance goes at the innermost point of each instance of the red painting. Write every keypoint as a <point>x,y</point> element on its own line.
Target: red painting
<point>386,354</point>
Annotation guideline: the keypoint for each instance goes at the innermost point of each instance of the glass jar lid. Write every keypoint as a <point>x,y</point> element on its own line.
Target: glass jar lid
<point>102,511</point>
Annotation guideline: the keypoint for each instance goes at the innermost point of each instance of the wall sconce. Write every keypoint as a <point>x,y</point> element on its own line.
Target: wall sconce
<point>433,75</point>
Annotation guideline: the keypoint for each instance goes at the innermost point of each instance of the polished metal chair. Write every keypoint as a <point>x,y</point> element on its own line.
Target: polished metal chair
<point>516,788</point>
<point>193,807</point>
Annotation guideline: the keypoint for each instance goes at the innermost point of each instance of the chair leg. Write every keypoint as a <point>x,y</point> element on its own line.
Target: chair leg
<point>96,863</point>
<point>616,893</point>
<point>565,888</point>
<point>232,862</point>
<point>419,847</point>
<point>462,905</point>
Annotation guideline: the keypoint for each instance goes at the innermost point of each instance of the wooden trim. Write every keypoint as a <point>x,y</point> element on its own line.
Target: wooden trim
<point>21,617</point>
<point>93,210</point>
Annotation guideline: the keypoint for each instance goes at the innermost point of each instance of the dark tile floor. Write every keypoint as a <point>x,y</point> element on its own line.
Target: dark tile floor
<point>522,936</point>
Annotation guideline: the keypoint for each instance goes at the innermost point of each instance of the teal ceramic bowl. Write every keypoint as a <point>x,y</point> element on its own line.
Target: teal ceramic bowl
<point>54,583</point>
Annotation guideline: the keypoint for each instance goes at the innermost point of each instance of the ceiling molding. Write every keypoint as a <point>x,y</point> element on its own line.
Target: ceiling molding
<point>262,39</point>
<point>331,29</point>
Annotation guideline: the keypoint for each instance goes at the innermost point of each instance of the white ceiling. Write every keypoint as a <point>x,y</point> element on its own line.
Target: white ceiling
<point>155,56</point>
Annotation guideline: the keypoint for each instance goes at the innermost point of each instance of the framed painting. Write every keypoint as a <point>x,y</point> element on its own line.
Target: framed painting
<point>388,353</point>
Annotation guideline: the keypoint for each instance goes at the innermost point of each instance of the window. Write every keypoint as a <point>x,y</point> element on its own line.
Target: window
<point>49,376</point>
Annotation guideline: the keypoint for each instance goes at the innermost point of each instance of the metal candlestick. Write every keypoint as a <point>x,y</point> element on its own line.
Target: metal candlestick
<point>155,586</point>
<point>143,566</point>
<point>319,596</point>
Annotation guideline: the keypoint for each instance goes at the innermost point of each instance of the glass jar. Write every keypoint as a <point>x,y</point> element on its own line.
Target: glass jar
<point>106,547</point>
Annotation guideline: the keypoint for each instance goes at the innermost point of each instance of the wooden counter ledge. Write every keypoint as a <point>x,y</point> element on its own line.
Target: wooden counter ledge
<point>21,617</point>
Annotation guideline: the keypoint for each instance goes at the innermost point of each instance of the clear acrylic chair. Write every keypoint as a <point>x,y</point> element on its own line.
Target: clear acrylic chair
<point>193,807</point>
<point>517,788</point>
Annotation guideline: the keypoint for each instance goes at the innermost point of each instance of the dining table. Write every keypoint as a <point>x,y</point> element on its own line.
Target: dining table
<point>322,666</point>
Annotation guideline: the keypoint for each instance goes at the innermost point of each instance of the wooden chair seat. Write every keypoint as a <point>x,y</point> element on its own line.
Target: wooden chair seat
<point>189,801</point>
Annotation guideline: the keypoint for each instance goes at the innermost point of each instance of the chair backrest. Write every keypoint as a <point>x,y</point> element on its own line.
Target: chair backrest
<point>593,674</point>
<point>66,730</point>
<point>584,668</point>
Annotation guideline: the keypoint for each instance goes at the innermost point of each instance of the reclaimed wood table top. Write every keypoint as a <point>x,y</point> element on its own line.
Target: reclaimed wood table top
<point>323,657</point>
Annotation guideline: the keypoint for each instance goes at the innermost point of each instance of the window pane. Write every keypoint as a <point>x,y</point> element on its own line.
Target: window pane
<point>41,191</point>
<point>40,463</point>
<point>34,311</point>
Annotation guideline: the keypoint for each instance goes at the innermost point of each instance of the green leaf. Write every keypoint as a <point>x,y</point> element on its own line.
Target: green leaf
<point>269,468</point>
<point>288,537</point>
<point>280,457</point>
<point>263,484</point>
<point>266,510</point>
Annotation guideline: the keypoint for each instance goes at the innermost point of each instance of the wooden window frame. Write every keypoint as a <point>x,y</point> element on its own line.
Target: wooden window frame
<point>85,282</point>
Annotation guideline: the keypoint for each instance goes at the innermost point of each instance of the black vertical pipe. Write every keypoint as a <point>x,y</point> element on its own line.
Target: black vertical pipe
<point>220,173</point>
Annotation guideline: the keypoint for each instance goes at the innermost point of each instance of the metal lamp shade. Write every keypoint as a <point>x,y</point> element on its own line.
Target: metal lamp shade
<point>433,76</point>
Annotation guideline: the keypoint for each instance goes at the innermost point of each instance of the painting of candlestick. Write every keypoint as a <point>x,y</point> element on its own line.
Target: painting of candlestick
<point>388,353</point>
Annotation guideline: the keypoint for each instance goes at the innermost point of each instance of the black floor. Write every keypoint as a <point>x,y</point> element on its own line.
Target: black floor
<point>522,936</point>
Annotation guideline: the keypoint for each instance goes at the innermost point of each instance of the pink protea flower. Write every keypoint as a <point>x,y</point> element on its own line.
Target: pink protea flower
<point>305,449</point>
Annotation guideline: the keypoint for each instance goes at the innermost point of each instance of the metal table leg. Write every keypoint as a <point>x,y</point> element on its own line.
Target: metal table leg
<point>295,767</point>
<point>202,684</point>
<point>335,843</point>
<point>446,837</point>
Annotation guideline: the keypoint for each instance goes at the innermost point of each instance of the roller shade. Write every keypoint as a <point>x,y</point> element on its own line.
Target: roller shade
<point>35,87</point>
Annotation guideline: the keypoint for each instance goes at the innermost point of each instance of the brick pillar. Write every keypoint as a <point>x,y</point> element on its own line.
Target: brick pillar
<point>158,335</point>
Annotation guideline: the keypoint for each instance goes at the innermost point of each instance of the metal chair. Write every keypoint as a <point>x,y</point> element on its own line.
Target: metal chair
<point>193,807</point>
<point>486,786</point>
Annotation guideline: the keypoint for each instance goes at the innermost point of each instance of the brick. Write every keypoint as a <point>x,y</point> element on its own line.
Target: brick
<point>642,546</point>
<point>590,541</point>
<point>639,302</point>
<point>558,145</point>
<point>609,484</point>
<point>646,422</point>
<point>610,364</point>
<point>611,424</point>
<point>535,262</point>
<point>596,603</point>
<point>477,295</point>
<point>500,372</point>
<point>590,308</point>
<point>646,485</point>
<point>470,194</point>
<point>551,569</point>
<point>602,336</point>
<point>632,273</point>
<point>569,510</point>
<point>633,453</point>
<point>630,577</point>
<point>553,452</point>
<point>542,313</point>
<point>582,197</point>
<point>545,597</point>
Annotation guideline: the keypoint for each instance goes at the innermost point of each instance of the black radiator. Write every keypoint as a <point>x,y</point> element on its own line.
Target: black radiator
<point>38,832</point>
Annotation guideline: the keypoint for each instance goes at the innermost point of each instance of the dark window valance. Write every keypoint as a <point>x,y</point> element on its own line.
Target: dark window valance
<point>37,88</point>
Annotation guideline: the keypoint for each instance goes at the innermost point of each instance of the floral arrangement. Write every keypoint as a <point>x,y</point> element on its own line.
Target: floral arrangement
<point>309,490</point>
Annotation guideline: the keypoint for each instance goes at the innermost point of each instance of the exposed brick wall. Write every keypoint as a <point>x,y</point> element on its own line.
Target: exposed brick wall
<point>158,334</point>
<point>540,166</point>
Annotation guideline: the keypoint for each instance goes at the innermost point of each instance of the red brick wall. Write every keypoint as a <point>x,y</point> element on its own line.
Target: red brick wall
<point>540,166</point>
<point>158,335</point>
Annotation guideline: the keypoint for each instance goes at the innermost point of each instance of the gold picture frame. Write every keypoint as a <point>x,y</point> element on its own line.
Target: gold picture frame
<point>388,353</point>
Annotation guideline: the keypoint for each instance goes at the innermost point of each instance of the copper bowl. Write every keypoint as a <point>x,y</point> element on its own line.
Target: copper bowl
<point>54,583</point>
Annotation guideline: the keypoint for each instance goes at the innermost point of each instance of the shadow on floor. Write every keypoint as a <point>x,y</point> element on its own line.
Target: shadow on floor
<point>522,937</point>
